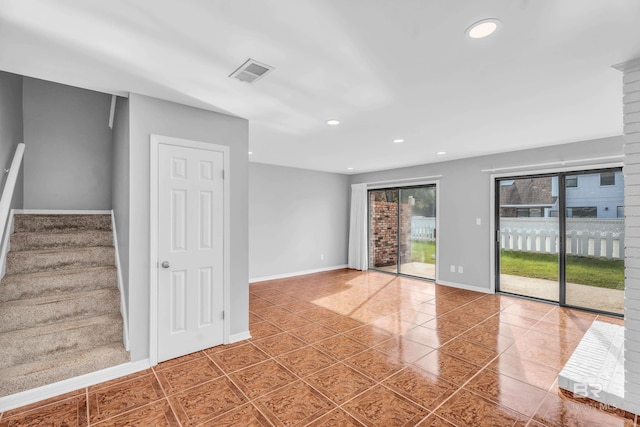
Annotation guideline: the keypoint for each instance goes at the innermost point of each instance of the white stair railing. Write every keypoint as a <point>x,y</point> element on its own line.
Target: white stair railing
<point>7,197</point>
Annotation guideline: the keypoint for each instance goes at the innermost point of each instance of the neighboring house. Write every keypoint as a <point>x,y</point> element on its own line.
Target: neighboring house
<point>527,197</point>
<point>593,195</point>
<point>598,195</point>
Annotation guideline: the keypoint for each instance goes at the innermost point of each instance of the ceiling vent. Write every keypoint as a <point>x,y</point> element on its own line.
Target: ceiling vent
<point>251,71</point>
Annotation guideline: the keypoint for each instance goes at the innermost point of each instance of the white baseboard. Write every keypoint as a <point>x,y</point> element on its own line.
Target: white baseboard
<point>297,273</point>
<point>51,390</point>
<point>466,287</point>
<point>233,338</point>
<point>62,212</point>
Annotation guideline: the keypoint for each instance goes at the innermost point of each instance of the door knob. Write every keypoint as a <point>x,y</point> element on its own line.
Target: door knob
<point>165,264</point>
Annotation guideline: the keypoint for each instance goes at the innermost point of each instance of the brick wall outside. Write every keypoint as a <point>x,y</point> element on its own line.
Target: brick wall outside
<point>405,233</point>
<point>383,233</point>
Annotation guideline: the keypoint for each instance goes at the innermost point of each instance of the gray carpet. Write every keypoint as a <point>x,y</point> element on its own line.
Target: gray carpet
<point>59,301</point>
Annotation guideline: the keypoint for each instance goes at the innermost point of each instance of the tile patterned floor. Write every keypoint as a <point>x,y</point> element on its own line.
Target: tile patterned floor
<point>348,348</point>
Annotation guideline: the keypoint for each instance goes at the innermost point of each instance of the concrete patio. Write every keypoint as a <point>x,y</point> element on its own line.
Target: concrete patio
<point>609,300</point>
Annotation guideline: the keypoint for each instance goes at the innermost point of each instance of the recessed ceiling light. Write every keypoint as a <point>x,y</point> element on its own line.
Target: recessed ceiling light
<point>440,153</point>
<point>349,169</point>
<point>333,122</point>
<point>398,141</point>
<point>482,28</point>
<point>250,152</point>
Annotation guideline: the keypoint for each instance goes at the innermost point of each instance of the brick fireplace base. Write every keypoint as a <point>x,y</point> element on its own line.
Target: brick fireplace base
<point>595,371</point>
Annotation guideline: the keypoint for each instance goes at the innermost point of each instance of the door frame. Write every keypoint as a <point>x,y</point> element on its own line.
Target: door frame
<point>395,185</point>
<point>516,172</point>
<point>155,142</point>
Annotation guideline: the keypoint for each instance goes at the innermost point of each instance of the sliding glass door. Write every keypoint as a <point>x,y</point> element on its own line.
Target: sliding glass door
<point>418,231</point>
<point>560,237</point>
<point>594,233</point>
<point>529,232</point>
<point>402,230</point>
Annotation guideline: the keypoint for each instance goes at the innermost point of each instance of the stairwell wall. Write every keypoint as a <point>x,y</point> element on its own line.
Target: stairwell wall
<point>154,116</point>
<point>11,131</point>
<point>67,163</point>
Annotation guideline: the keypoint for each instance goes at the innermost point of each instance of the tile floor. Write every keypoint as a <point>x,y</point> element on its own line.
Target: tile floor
<point>348,348</point>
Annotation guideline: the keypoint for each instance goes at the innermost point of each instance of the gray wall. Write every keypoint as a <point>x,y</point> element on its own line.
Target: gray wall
<point>68,156</point>
<point>295,215</point>
<point>153,116</point>
<point>120,189</point>
<point>464,195</point>
<point>11,133</point>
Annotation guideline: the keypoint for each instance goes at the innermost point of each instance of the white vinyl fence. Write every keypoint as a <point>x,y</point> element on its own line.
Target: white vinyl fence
<point>422,228</point>
<point>588,237</point>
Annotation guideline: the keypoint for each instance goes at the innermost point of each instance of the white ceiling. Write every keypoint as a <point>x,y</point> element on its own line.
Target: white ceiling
<point>386,68</point>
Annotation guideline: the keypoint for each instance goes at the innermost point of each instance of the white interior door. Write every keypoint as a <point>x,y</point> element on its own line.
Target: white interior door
<point>190,250</point>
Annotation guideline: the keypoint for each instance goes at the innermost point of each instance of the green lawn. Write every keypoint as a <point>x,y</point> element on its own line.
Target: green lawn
<point>424,252</point>
<point>598,272</point>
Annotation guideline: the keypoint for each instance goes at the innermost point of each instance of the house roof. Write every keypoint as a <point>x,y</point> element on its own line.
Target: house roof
<point>386,69</point>
<point>528,191</point>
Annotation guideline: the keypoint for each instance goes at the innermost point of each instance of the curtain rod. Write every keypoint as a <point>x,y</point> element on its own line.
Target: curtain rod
<point>391,181</point>
<point>559,163</point>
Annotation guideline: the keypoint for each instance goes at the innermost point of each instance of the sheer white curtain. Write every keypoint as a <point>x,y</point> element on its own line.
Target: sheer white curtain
<point>358,251</point>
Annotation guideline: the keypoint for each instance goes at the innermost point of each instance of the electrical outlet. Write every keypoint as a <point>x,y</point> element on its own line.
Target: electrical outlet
<point>453,268</point>
<point>321,257</point>
<point>460,270</point>
<point>478,221</point>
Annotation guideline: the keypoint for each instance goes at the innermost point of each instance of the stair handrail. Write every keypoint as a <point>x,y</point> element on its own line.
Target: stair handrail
<point>9,188</point>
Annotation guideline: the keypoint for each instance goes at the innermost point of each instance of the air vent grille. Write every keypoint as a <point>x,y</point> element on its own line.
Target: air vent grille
<point>251,71</point>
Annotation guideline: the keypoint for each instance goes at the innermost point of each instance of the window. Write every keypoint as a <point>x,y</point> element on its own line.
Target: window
<point>523,212</point>
<point>582,212</point>
<point>620,211</point>
<point>572,181</point>
<point>607,178</point>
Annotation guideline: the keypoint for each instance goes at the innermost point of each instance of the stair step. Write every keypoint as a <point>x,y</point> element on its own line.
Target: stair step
<point>27,313</point>
<point>39,240</point>
<point>42,284</point>
<point>43,260</point>
<point>59,301</point>
<point>60,223</point>
<point>57,339</point>
<point>36,374</point>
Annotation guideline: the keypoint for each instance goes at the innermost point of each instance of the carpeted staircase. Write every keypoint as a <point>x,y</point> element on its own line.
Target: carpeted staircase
<point>59,301</point>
